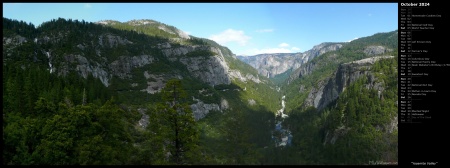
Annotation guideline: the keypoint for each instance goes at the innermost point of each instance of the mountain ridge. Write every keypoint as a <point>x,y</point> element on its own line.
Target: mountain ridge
<point>271,65</point>
<point>77,92</point>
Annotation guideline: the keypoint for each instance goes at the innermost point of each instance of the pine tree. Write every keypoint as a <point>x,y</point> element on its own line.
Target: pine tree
<point>176,124</point>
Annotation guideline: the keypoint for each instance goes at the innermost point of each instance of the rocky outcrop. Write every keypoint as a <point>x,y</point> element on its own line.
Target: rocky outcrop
<point>173,53</point>
<point>319,50</point>
<point>332,136</point>
<point>200,109</point>
<point>212,70</point>
<point>9,43</point>
<point>111,41</point>
<point>315,95</point>
<point>270,65</point>
<point>83,66</point>
<point>122,67</point>
<point>329,90</point>
<point>392,126</point>
<point>376,50</point>
<point>251,102</point>
<point>155,85</point>
<point>143,122</point>
<point>244,78</point>
<point>304,70</point>
<point>15,40</point>
<point>224,104</point>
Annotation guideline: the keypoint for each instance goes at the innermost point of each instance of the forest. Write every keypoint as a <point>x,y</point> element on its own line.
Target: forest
<point>63,118</point>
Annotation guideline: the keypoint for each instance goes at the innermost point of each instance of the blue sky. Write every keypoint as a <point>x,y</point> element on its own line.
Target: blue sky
<point>245,28</point>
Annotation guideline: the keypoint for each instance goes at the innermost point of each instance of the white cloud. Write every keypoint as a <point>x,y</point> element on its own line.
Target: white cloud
<point>187,32</point>
<point>353,39</point>
<point>264,30</point>
<point>88,5</point>
<point>295,49</point>
<point>283,45</point>
<point>231,35</point>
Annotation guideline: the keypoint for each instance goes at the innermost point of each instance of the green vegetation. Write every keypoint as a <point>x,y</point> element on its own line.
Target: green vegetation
<point>326,64</point>
<point>362,111</point>
<point>65,119</point>
<point>12,27</point>
<point>264,93</point>
<point>61,120</point>
<point>173,125</point>
<point>200,53</point>
<point>236,136</point>
<point>281,78</point>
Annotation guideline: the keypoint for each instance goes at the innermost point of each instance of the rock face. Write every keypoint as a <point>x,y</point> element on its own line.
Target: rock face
<point>153,86</point>
<point>270,65</point>
<point>304,70</point>
<point>111,41</point>
<point>210,69</point>
<point>251,102</point>
<point>329,90</point>
<point>143,122</point>
<point>244,78</point>
<point>121,67</point>
<point>334,135</point>
<point>133,61</point>
<point>376,50</point>
<point>309,68</point>
<point>10,43</point>
<point>16,40</point>
<point>200,109</point>
<point>84,67</point>
<point>224,104</point>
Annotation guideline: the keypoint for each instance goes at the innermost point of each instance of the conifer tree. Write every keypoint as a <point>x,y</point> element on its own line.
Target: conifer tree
<point>176,125</point>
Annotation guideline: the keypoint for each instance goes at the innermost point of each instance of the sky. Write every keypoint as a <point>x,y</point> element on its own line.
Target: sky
<point>245,28</point>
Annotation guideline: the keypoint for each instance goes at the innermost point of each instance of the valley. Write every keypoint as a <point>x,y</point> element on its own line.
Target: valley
<point>143,92</point>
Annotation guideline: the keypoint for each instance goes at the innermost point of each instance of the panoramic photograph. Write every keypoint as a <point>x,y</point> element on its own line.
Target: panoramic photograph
<point>200,83</point>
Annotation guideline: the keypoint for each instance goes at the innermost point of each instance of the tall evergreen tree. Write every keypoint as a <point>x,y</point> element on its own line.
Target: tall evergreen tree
<point>176,124</point>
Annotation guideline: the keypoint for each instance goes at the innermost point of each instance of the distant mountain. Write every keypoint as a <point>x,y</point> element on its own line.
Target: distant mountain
<point>271,65</point>
<point>322,67</point>
<point>343,102</point>
<point>77,92</point>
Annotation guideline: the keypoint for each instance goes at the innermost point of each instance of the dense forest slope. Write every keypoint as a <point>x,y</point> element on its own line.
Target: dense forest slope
<point>143,92</point>
<point>120,71</point>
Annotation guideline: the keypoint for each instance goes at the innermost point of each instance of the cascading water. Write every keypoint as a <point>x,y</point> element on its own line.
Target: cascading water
<point>49,63</point>
<point>281,136</point>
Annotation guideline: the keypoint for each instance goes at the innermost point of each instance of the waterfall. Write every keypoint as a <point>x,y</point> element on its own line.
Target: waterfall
<point>286,136</point>
<point>49,63</point>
